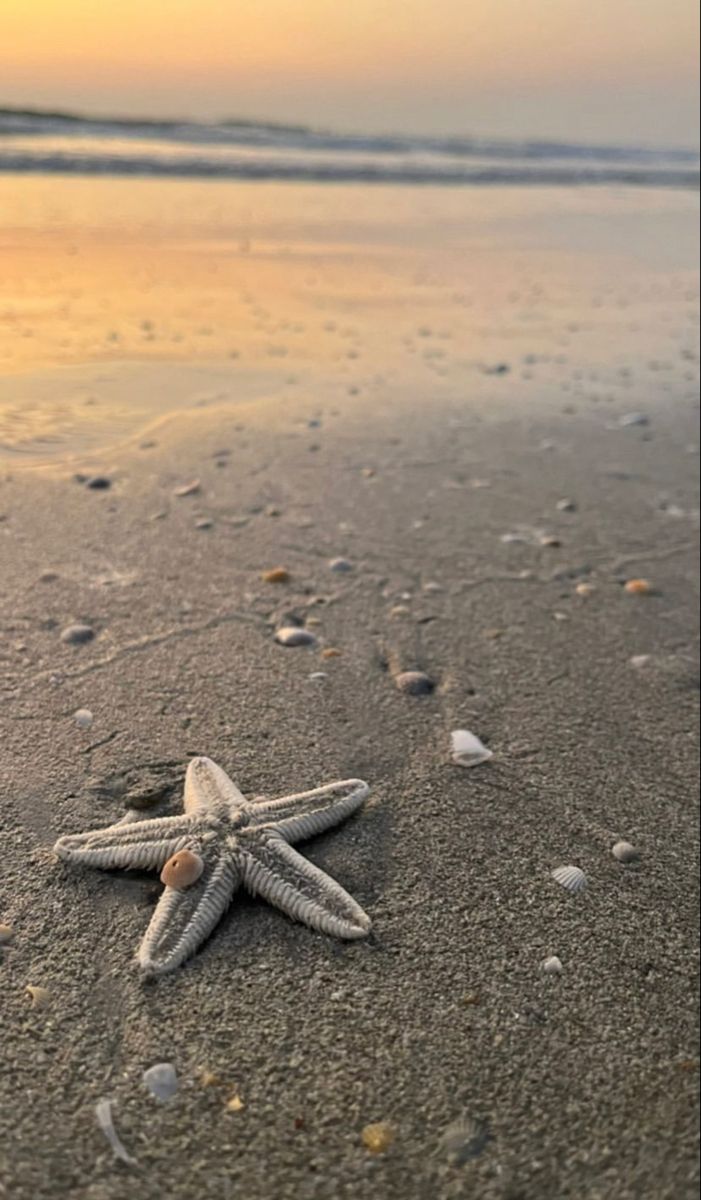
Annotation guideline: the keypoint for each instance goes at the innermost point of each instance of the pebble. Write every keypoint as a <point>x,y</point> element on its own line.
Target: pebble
<point>292,635</point>
<point>628,420</point>
<point>6,934</point>
<point>235,1104</point>
<point>331,652</point>
<point>161,1080</point>
<point>548,539</point>
<point>83,718</point>
<point>377,1137</point>
<point>638,587</point>
<point>340,565</point>
<point>317,676</point>
<point>566,505</point>
<point>98,483</point>
<point>625,853</point>
<point>77,635</point>
<point>204,523</point>
<point>276,575</point>
<point>585,589</point>
<point>552,965</point>
<point>187,489</point>
<point>414,683</point>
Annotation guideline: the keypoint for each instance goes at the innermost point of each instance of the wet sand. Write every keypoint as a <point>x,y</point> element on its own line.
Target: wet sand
<point>587,1081</point>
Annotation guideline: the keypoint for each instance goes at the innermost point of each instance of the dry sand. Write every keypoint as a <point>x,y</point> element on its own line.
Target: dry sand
<point>586,1081</point>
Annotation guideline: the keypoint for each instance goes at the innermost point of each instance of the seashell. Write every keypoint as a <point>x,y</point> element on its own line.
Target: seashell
<point>414,683</point>
<point>331,652</point>
<point>467,749</point>
<point>629,420</point>
<point>638,587</point>
<point>585,589</point>
<point>399,610</point>
<point>103,1112</point>
<point>209,1078</point>
<point>40,995</point>
<point>377,1137</point>
<point>318,676</point>
<point>204,523</point>
<point>340,565</point>
<point>83,718</point>
<point>6,934</point>
<point>182,870</point>
<point>432,586</point>
<point>292,635</point>
<point>161,1080</point>
<point>276,575</point>
<point>187,489</point>
<point>625,853</point>
<point>552,965</point>
<point>549,539</point>
<point>571,878</point>
<point>566,505</point>
<point>235,1104</point>
<point>76,635</point>
<point>465,1138</point>
<point>640,660</point>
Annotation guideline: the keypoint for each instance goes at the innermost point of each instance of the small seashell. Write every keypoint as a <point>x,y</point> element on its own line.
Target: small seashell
<point>549,539</point>
<point>293,635</point>
<point>464,1139</point>
<point>83,718</point>
<point>204,523</point>
<point>6,934</point>
<point>399,610</point>
<point>638,587</point>
<point>414,683</point>
<point>571,878</point>
<point>377,1137</point>
<point>628,420</point>
<point>40,996</point>
<point>161,1080</point>
<point>318,676</point>
<point>367,472</point>
<point>340,565</point>
<point>566,505</point>
<point>552,965</point>
<point>276,575</point>
<point>331,652</point>
<point>467,749</point>
<point>209,1079</point>
<point>432,586</point>
<point>625,853</point>
<point>640,660</point>
<point>187,489</point>
<point>182,870</point>
<point>103,1112</point>
<point>235,1104</point>
<point>585,589</point>
<point>76,635</point>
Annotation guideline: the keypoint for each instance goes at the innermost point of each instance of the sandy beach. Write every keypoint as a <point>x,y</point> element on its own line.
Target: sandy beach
<point>486,402</point>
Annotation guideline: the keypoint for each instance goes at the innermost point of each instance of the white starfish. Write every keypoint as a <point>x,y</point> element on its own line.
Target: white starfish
<point>239,842</point>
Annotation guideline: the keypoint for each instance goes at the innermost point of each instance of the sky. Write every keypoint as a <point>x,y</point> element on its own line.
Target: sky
<point>587,70</point>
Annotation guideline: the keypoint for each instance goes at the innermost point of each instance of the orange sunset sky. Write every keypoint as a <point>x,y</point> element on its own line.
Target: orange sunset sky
<point>607,70</point>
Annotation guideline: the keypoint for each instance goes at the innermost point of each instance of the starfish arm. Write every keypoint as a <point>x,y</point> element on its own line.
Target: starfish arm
<point>273,870</point>
<point>208,788</point>
<point>184,918</point>
<point>308,813</point>
<point>138,844</point>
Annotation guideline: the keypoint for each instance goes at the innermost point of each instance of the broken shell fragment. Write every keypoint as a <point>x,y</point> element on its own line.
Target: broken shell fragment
<point>276,575</point>
<point>625,853</point>
<point>103,1112</point>
<point>552,965</point>
<point>572,879</point>
<point>40,996</point>
<point>161,1080</point>
<point>187,489</point>
<point>377,1137</point>
<point>638,587</point>
<point>182,870</point>
<point>235,1104</point>
<point>414,683</point>
<point>83,718</point>
<point>467,749</point>
<point>293,635</point>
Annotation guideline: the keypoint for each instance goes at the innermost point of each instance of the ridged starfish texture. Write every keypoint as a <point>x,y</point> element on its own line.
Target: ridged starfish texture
<point>239,842</point>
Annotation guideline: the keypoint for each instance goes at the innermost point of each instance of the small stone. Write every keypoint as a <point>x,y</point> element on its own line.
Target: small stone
<point>235,1104</point>
<point>399,610</point>
<point>204,523</point>
<point>551,541</point>
<point>161,1080</point>
<point>625,853</point>
<point>414,683</point>
<point>638,587</point>
<point>585,589</point>
<point>340,565</point>
<point>6,934</point>
<point>377,1137</point>
<point>77,635</point>
<point>292,635</point>
<point>98,483</point>
<point>40,996</point>
<point>48,577</point>
<point>552,965</point>
<point>639,661</point>
<point>83,718</point>
<point>331,652</point>
<point>566,505</point>
<point>209,1079</point>
<point>276,575</point>
<point>188,489</point>
<point>629,420</point>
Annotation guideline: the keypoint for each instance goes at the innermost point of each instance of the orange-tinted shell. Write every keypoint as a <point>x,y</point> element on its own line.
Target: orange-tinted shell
<point>638,587</point>
<point>182,870</point>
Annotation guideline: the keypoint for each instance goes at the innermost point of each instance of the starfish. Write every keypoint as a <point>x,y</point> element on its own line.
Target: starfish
<point>226,840</point>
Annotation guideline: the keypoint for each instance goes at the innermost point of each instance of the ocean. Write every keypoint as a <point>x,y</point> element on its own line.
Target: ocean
<point>44,142</point>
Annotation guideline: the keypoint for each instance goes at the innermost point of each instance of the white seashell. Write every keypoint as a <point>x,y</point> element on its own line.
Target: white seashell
<point>625,853</point>
<point>639,661</point>
<point>467,749</point>
<point>83,718</point>
<point>464,1139</point>
<point>318,676</point>
<point>161,1080</point>
<point>340,565</point>
<point>628,420</point>
<point>552,965</point>
<point>103,1112</point>
<point>571,878</point>
<point>293,635</point>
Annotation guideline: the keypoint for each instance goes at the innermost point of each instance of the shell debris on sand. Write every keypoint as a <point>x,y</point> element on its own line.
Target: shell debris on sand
<point>571,878</point>
<point>276,575</point>
<point>83,718</point>
<point>414,683</point>
<point>294,635</point>
<point>77,635</point>
<point>624,852</point>
<point>235,1104</point>
<point>340,565</point>
<point>638,587</point>
<point>182,870</point>
<point>467,750</point>
<point>6,934</point>
<point>40,996</point>
<point>552,965</point>
<point>464,1138</point>
<point>161,1080</point>
<point>103,1112</point>
<point>377,1137</point>
<point>188,489</point>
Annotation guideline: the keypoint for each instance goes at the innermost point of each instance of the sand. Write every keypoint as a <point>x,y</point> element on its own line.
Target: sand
<point>587,1081</point>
